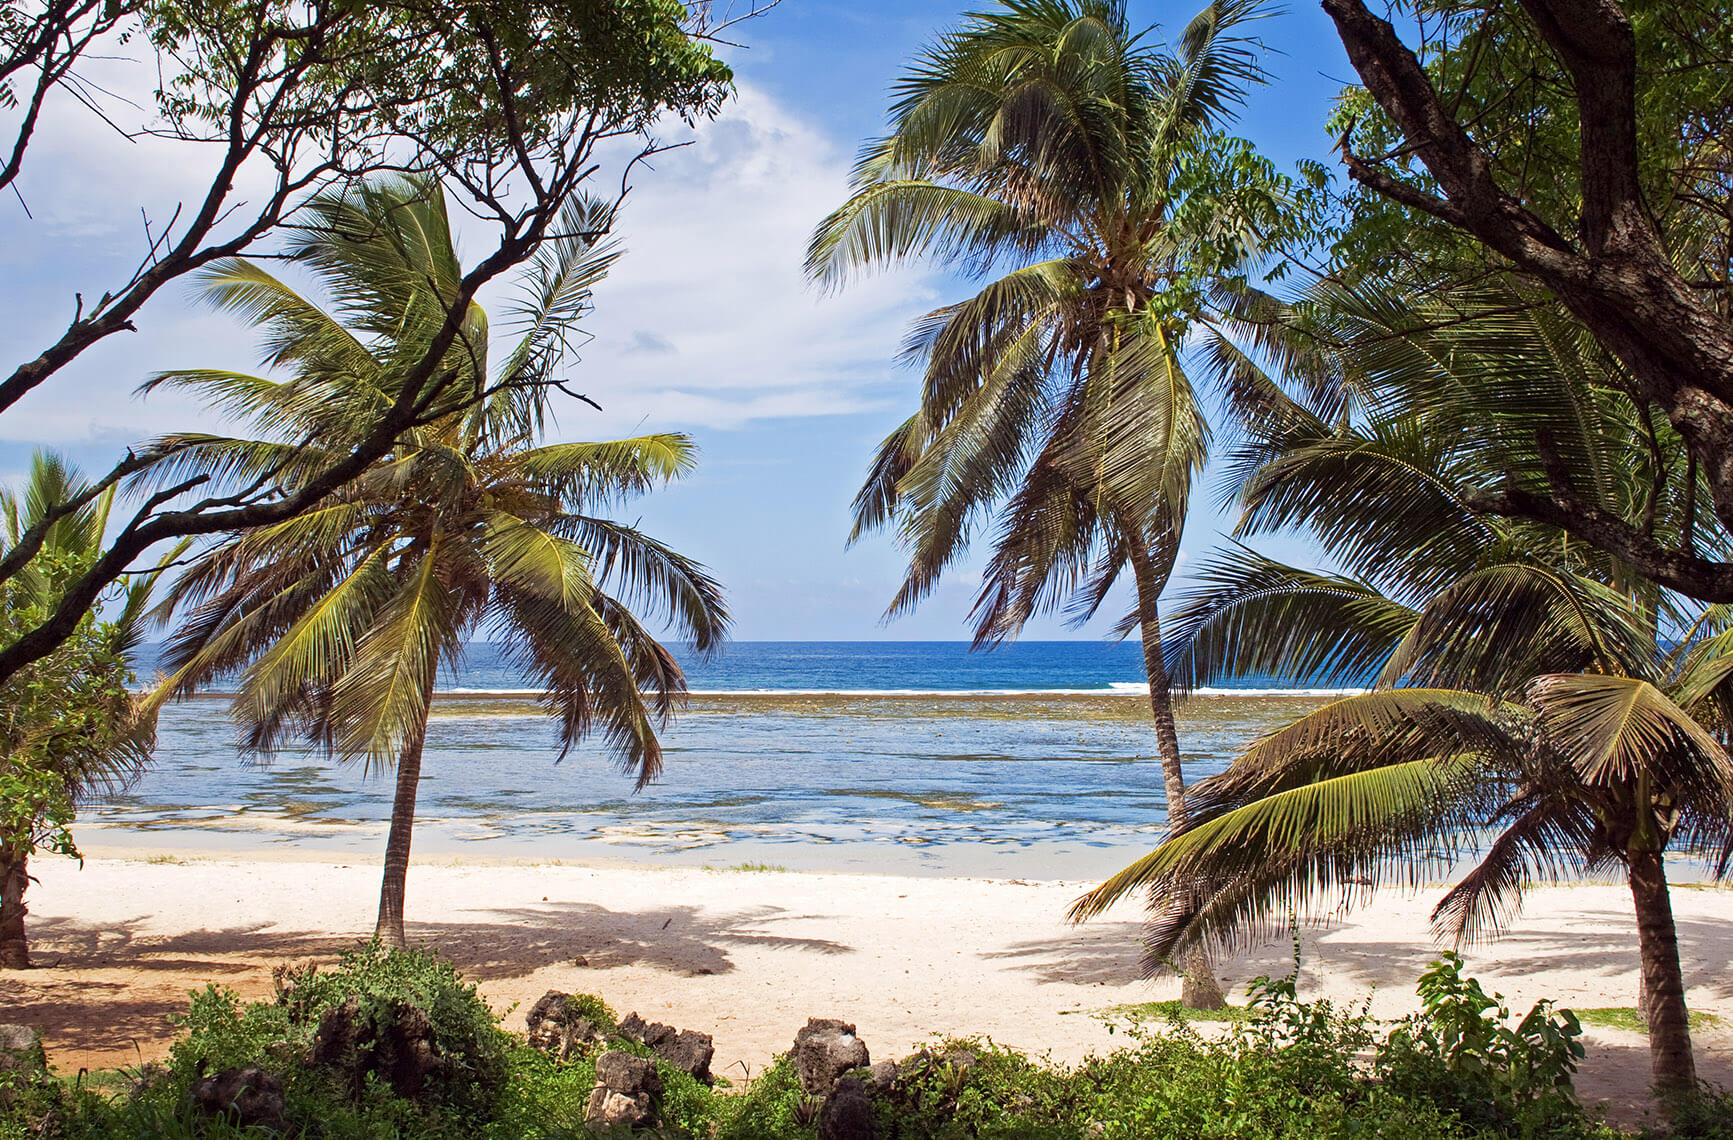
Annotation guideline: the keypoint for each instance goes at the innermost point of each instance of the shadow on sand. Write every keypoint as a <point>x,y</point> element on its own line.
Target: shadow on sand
<point>108,991</point>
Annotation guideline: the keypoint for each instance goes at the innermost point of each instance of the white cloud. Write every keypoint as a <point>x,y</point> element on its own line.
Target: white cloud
<point>705,322</point>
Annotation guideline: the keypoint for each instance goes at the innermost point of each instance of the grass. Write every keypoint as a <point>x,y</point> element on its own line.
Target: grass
<point>749,868</point>
<point>1625,1017</point>
<point>1166,1011</point>
<point>175,860</point>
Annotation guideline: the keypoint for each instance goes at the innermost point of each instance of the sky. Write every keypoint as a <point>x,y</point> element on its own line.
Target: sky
<point>706,324</point>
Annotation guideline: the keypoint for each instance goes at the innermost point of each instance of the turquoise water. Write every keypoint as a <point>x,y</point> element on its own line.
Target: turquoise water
<point>1038,760</point>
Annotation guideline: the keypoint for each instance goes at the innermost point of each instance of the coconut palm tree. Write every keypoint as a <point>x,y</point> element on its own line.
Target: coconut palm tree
<point>1046,148</point>
<point>1533,703</point>
<point>71,730</point>
<point>336,624</point>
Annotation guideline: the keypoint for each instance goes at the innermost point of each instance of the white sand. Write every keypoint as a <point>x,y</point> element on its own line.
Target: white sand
<point>750,956</point>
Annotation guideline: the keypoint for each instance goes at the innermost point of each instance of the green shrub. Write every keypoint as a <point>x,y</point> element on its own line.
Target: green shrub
<point>472,1046</point>
<point>1288,1068</point>
<point>772,1107</point>
<point>1460,1069</point>
<point>1704,1116</point>
<point>600,1014</point>
<point>1461,1053</point>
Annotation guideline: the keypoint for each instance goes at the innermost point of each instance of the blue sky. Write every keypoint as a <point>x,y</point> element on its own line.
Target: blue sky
<point>704,327</point>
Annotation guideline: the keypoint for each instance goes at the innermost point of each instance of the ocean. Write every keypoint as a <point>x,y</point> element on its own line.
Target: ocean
<point>1035,759</point>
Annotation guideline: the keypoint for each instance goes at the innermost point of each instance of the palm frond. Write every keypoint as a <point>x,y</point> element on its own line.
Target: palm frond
<point>1251,616</point>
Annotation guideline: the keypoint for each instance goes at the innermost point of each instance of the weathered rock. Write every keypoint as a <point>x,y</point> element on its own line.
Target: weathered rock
<point>553,1026</point>
<point>824,1050</point>
<point>625,1092</point>
<point>399,1047</point>
<point>883,1077</point>
<point>249,1097</point>
<point>847,1113</point>
<point>685,1049</point>
<point>21,1051</point>
<point>634,1028</point>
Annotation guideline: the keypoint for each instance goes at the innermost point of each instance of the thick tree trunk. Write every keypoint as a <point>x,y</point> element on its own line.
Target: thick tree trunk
<point>14,880</point>
<point>1200,989</point>
<point>1670,1059</point>
<point>389,929</point>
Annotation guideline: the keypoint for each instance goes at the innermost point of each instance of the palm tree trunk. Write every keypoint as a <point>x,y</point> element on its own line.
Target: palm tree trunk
<point>1199,990</point>
<point>14,879</point>
<point>389,929</point>
<point>1670,1061</point>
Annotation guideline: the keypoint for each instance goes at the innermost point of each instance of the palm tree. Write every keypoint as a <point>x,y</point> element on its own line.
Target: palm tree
<point>1533,702</point>
<point>337,623</point>
<point>70,729</point>
<point>1044,136</point>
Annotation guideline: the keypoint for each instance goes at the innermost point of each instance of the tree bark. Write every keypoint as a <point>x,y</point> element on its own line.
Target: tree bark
<point>389,929</point>
<point>1670,1059</point>
<point>14,880</point>
<point>1199,990</point>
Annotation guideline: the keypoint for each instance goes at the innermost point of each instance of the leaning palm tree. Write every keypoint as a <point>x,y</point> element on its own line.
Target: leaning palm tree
<point>1533,703</point>
<point>71,729</point>
<point>1046,137</point>
<point>335,624</point>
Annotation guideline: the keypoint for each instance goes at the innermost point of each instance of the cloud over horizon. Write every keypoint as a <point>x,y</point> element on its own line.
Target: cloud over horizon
<point>706,322</point>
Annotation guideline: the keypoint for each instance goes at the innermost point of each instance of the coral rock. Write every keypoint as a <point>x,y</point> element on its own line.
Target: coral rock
<point>685,1049</point>
<point>249,1097</point>
<point>847,1113</point>
<point>398,1047</point>
<point>625,1092</point>
<point>823,1051</point>
<point>554,1027</point>
<point>21,1051</point>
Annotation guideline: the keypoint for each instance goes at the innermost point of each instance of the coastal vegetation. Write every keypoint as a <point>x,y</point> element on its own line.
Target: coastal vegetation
<point>1501,407</point>
<point>1492,443</point>
<point>1537,705</point>
<point>70,726</point>
<point>333,626</point>
<point>1461,1067</point>
<point>1055,404</point>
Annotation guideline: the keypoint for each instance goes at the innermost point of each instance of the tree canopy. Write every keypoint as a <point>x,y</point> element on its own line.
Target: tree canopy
<point>506,103</point>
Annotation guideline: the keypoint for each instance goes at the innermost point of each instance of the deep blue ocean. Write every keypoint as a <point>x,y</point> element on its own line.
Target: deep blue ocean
<point>1035,759</point>
<point>867,666</point>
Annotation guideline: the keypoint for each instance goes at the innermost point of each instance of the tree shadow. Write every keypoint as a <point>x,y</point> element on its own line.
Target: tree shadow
<point>1102,953</point>
<point>1599,942</point>
<point>61,942</point>
<point>102,994</point>
<point>683,940</point>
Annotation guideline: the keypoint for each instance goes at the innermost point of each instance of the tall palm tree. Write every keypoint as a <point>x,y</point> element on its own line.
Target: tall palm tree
<point>1533,704</point>
<point>337,623</point>
<point>70,728</point>
<point>1044,147</point>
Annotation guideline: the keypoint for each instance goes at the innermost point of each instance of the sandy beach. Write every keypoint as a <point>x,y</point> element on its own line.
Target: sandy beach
<point>750,955</point>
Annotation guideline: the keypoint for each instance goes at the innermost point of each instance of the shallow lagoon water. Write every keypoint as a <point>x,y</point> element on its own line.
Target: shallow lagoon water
<point>1053,784</point>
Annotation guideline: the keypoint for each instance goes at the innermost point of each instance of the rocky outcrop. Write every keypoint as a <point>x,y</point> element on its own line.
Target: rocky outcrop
<point>553,1026</point>
<point>883,1077</point>
<point>685,1049</point>
<point>398,1047</point>
<point>21,1051</point>
<point>846,1114</point>
<point>247,1097</point>
<point>824,1050</point>
<point>625,1092</point>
